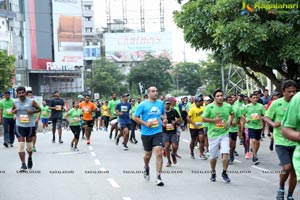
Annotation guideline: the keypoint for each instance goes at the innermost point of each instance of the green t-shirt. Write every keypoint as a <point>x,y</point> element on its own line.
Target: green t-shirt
<point>176,107</point>
<point>188,106</point>
<point>132,110</point>
<point>254,114</point>
<point>6,106</point>
<point>74,116</point>
<point>111,106</point>
<point>237,115</point>
<point>212,111</point>
<point>276,112</point>
<point>291,119</point>
<point>45,112</point>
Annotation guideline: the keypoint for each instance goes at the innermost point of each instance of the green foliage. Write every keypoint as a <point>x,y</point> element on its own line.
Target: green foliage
<point>107,78</point>
<point>152,72</point>
<point>261,40</point>
<point>6,70</point>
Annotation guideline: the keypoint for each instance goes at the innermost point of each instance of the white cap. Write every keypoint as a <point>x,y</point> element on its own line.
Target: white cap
<point>206,98</point>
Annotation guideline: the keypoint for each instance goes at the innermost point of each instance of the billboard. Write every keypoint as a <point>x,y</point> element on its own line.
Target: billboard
<point>67,32</point>
<point>130,47</point>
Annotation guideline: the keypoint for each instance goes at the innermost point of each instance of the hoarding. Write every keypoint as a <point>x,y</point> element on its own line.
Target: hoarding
<point>67,32</point>
<point>130,47</point>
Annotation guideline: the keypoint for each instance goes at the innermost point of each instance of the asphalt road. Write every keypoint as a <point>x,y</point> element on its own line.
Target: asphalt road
<point>103,171</point>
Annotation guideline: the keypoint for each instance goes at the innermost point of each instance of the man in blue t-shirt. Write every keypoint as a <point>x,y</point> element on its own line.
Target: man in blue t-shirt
<point>122,110</point>
<point>151,115</point>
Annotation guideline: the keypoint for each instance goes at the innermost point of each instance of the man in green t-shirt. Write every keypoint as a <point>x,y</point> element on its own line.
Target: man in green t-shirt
<point>283,146</point>
<point>111,106</point>
<point>45,114</point>
<point>219,116</point>
<point>7,119</point>
<point>253,115</point>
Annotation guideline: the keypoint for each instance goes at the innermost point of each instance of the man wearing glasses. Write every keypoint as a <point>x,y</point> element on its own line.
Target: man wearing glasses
<point>151,115</point>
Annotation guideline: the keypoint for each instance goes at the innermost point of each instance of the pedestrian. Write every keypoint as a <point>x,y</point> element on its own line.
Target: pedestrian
<point>150,114</point>
<point>24,108</point>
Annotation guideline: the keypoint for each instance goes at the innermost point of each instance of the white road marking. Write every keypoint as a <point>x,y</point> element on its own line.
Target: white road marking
<point>93,154</point>
<point>90,148</point>
<point>259,168</point>
<point>126,198</point>
<point>113,183</point>
<point>97,162</point>
<point>187,141</point>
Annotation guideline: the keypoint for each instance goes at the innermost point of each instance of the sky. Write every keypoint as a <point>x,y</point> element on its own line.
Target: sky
<point>152,24</point>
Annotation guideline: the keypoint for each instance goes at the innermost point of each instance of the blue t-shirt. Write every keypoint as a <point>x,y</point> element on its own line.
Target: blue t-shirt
<point>151,111</point>
<point>124,108</point>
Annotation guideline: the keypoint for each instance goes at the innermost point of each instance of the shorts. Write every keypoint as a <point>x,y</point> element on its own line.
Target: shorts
<point>25,131</point>
<point>172,138</point>
<point>113,122</point>
<point>125,126</point>
<point>254,133</point>
<point>45,120</point>
<point>218,145</point>
<point>233,135</point>
<point>195,132</point>
<point>205,130</point>
<point>285,154</point>
<point>57,123</point>
<point>150,141</point>
<point>88,123</point>
<point>76,131</point>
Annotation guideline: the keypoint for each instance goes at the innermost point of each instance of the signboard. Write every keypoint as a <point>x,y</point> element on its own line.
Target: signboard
<point>68,33</point>
<point>128,47</point>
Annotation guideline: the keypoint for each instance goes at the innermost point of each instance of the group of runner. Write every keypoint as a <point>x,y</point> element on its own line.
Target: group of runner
<point>214,122</point>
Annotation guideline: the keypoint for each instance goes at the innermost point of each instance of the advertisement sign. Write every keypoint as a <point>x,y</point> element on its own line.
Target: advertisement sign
<point>129,47</point>
<point>68,33</point>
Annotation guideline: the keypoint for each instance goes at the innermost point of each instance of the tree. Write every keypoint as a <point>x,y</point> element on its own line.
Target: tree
<point>188,77</point>
<point>107,78</point>
<point>152,72</point>
<point>259,41</point>
<point>6,70</point>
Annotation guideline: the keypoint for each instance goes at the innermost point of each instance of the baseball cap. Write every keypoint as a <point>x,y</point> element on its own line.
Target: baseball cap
<point>172,99</point>
<point>198,99</point>
<point>80,96</point>
<point>167,101</point>
<point>125,95</point>
<point>207,98</point>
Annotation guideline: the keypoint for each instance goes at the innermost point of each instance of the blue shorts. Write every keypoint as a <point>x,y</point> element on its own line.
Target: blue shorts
<point>25,131</point>
<point>254,133</point>
<point>45,120</point>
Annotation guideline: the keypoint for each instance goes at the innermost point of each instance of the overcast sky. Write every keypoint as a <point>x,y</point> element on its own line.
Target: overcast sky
<point>152,24</point>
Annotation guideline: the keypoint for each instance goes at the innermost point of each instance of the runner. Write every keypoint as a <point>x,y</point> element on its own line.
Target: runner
<point>73,117</point>
<point>194,118</point>
<point>284,147</point>
<point>45,115</point>
<point>113,118</point>
<point>134,106</point>
<point>87,108</point>
<point>24,109</point>
<point>170,136</point>
<point>105,115</point>
<point>122,110</point>
<point>219,116</point>
<point>149,114</point>
<point>7,119</point>
<point>253,115</point>
<point>175,106</point>
<point>57,106</point>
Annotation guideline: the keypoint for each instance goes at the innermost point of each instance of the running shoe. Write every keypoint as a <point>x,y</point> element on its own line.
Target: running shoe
<point>263,135</point>
<point>23,167</point>
<point>60,141</point>
<point>11,145</point>
<point>271,147</point>
<point>33,149</point>
<point>125,147</point>
<point>5,144</point>
<point>174,158</point>
<point>225,177</point>
<point>248,156</point>
<point>236,153</point>
<point>192,156</point>
<point>147,174</point>
<point>280,195</point>
<point>213,177</point>
<point>117,141</point>
<point>29,163</point>
<point>53,140</point>
<point>72,145</point>
<point>241,142</point>
<point>135,141</point>
<point>290,198</point>
<point>159,182</point>
<point>203,157</point>
<point>255,161</point>
<point>169,164</point>
<point>75,149</point>
<point>88,142</point>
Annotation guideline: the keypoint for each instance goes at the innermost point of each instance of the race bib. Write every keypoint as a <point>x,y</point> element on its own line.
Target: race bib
<point>124,109</point>
<point>105,113</point>
<point>220,124</point>
<point>154,122</point>
<point>9,111</point>
<point>86,110</point>
<point>169,127</point>
<point>76,119</point>
<point>44,113</point>
<point>24,118</point>
<point>198,123</point>
<point>255,116</point>
<point>58,107</point>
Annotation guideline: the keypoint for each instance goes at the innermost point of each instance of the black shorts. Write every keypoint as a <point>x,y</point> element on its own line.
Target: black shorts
<point>125,126</point>
<point>195,132</point>
<point>254,133</point>
<point>285,154</point>
<point>89,123</point>
<point>57,122</point>
<point>76,131</point>
<point>150,141</point>
<point>25,131</point>
<point>171,138</point>
<point>233,135</point>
